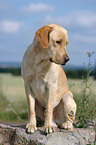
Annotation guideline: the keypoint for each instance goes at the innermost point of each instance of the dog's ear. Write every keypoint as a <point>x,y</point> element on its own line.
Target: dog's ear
<point>43,35</point>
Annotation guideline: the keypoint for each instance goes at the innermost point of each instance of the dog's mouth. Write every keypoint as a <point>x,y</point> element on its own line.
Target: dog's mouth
<point>51,60</point>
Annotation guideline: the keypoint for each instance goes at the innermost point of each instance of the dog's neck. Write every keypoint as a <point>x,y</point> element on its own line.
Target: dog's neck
<point>38,49</point>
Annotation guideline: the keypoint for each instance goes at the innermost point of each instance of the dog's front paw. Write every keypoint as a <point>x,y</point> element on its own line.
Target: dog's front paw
<point>49,129</point>
<point>67,125</point>
<point>31,127</point>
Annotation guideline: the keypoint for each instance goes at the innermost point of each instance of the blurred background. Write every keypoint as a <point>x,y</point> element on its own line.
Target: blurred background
<point>19,21</point>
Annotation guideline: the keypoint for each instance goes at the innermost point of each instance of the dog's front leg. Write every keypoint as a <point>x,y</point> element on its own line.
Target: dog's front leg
<point>51,92</point>
<point>31,125</point>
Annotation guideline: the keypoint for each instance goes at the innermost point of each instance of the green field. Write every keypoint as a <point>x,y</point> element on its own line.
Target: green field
<point>12,87</point>
<point>13,102</point>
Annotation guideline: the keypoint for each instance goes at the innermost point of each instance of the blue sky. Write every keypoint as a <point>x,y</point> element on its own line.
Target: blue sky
<point>20,19</point>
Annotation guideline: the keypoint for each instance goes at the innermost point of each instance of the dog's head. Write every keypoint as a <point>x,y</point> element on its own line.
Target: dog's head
<point>54,39</point>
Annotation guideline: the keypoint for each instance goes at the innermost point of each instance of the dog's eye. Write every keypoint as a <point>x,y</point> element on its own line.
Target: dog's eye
<point>58,41</point>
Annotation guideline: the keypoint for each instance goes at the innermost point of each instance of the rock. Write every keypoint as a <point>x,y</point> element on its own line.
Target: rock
<point>14,135</point>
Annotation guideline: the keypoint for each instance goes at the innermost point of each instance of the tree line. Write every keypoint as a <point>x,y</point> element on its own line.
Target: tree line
<point>70,73</point>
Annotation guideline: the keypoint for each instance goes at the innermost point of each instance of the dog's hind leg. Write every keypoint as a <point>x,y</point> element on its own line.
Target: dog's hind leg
<point>64,114</point>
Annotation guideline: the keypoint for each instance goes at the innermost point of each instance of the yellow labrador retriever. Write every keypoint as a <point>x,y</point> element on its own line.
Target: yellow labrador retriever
<point>45,81</point>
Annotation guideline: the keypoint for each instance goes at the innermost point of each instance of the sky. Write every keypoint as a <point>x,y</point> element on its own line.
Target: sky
<point>20,19</point>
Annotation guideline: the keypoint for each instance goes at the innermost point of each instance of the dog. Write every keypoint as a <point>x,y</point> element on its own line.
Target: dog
<point>45,81</point>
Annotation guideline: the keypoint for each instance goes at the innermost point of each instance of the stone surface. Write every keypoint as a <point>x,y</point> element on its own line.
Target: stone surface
<point>14,135</point>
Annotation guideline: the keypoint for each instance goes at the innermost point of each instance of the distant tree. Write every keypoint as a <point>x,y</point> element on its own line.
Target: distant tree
<point>16,71</point>
<point>76,74</point>
<point>95,71</point>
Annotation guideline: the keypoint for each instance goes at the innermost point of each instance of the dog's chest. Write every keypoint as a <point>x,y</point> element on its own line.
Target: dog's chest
<point>44,82</point>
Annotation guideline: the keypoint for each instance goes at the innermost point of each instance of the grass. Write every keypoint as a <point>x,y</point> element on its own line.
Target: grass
<point>13,87</point>
<point>13,102</point>
<point>76,87</point>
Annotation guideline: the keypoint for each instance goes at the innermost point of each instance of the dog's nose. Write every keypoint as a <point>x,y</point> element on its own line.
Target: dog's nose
<point>66,59</point>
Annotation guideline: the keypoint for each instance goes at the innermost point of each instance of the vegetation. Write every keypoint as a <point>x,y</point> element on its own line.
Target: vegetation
<point>86,107</point>
<point>13,70</point>
<point>70,72</point>
<point>95,71</point>
<point>13,102</point>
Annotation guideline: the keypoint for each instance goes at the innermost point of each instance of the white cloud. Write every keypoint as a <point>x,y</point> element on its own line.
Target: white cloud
<point>8,26</point>
<point>87,39</point>
<point>85,18</point>
<point>76,18</point>
<point>37,8</point>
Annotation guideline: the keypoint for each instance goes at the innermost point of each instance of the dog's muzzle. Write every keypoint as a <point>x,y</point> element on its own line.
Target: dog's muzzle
<point>66,59</point>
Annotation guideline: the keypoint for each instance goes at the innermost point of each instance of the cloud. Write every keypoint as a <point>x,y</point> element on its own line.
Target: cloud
<point>75,19</point>
<point>8,26</point>
<point>85,18</point>
<point>37,8</point>
<point>87,39</point>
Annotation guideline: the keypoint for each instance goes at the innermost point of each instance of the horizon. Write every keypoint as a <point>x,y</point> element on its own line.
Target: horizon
<point>67,66</point>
